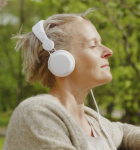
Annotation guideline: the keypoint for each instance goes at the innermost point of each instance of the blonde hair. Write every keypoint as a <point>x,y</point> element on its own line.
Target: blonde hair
<point>35,58</point>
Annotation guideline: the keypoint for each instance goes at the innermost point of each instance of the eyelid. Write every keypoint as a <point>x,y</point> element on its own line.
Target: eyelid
<point>97,41</point>
<point>93,46</point>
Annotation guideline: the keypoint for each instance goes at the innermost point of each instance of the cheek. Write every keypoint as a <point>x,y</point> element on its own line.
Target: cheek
<point>91,60</point>
<point>87,62</point>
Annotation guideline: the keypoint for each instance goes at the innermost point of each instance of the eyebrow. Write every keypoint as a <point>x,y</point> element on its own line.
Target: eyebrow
<point>95,39</point>
<point>88,40</point>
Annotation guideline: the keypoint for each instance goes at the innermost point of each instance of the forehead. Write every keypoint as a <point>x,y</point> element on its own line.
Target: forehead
<point>85,30</point>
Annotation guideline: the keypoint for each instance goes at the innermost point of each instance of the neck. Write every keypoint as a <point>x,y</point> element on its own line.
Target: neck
<point>72,97</point>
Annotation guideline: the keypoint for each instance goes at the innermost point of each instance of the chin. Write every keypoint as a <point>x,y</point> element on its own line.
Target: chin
<point>107,80</point>
<point>100,80</point>
<point>104,80</point>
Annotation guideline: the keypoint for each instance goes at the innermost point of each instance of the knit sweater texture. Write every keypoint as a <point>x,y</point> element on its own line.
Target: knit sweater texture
<point>42,123</point>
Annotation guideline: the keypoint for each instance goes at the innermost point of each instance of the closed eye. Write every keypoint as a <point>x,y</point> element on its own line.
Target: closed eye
<point>92,46</point>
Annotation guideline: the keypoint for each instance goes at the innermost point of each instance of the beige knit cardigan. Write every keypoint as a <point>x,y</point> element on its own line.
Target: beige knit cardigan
<point>42,123</point>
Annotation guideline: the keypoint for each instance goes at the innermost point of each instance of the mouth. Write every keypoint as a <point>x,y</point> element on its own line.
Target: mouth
<point>106,65</point>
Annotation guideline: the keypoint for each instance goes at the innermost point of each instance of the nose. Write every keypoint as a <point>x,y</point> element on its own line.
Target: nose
<point>106,53</point>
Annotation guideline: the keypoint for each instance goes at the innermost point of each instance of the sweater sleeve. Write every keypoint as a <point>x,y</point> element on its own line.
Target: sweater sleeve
<point>34,126</point>
<point>127,136</point>
<point>131,136</point>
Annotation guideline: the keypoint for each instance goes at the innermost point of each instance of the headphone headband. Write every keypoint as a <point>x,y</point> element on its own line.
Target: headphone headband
<point>39,32</point>
<point>61,63</point>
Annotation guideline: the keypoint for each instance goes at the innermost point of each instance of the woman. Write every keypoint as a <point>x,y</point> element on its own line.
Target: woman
<point>59,120</point>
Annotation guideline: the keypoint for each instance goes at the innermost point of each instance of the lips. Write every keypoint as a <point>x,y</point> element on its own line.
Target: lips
<point>106,65</point>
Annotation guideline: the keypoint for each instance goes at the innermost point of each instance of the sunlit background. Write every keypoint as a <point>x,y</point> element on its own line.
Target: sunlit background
<point>118,23</point>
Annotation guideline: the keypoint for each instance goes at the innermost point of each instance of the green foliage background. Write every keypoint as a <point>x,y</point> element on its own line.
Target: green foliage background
<point>118,23</point>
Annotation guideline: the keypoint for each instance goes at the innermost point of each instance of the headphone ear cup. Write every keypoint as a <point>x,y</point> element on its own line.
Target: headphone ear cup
<point>61,63</point>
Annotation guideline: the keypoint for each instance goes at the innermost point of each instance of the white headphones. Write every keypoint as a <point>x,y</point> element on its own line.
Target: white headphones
<point>61,63</point>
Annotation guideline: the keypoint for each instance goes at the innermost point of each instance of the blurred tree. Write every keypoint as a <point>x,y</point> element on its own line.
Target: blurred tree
<point>2,4</point>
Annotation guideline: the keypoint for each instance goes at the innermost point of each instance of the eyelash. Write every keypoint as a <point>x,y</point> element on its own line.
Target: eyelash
<point>92,46</point>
